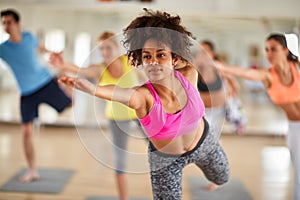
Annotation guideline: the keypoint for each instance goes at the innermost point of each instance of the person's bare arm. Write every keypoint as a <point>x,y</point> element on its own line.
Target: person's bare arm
<point>250,74</point>
<point>130,97</point>
<point>231,82</point>
<point>92,71</point>
<point>43,49</point>
<point>259,75</point>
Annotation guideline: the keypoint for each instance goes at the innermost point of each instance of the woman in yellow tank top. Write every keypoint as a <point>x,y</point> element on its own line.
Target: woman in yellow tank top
<point>114,69</point>
<point>282,82</point>
<point>115,110</point>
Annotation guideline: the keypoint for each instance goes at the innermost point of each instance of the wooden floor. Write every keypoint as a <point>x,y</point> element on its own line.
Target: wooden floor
<point>260,162</point>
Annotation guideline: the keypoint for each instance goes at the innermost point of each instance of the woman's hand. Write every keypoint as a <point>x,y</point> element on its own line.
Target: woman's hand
<point>57,60</point>
<point>79,83</point>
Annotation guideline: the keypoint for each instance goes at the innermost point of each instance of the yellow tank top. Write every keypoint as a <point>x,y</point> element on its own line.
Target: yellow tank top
<point>116,110</point>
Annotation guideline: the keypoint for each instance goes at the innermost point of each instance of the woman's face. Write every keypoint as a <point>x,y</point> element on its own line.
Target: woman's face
<point>157,60</point>
<point>274,51</point>
<point>108,50</point>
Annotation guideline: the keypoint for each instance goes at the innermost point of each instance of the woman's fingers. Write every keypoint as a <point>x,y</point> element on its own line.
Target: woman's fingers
<point>67,80</point>
<point>78,83</point>
<point>56,59</point>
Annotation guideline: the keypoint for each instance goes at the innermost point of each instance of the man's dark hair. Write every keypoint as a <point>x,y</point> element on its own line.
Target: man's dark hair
<point>11,12</point>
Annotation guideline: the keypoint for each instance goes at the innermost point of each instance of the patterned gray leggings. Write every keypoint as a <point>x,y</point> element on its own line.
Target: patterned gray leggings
<point>166,169</point>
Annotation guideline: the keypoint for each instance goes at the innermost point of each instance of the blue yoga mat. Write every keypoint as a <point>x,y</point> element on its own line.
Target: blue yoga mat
<point>112,198</point>
<point>52,181</point>
<point>233,190</point>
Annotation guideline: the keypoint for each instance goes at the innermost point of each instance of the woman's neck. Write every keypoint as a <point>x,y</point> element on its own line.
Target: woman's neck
<point>283,67</point>
<point>168,87</point>
<point>172,95</point>
<point>115,68</point>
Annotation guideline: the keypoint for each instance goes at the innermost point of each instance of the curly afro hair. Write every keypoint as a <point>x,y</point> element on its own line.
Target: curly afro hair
<point>161,26</point>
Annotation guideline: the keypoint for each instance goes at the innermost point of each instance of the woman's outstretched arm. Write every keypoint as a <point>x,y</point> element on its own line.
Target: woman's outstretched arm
<point>57,60</point>
<point>131,97</point>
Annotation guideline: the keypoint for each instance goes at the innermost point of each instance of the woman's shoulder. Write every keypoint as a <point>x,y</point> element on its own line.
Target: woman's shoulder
<point>143,88</point>
<point>187,71</point>
<point>296,65</point>
<point>145,94</point>
<point>190,73</point>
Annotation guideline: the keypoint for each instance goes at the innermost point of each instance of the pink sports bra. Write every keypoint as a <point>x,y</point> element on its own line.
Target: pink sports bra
<point>159,125</point>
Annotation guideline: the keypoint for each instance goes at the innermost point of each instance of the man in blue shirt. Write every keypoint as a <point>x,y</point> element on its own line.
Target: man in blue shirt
<point>36,84</point>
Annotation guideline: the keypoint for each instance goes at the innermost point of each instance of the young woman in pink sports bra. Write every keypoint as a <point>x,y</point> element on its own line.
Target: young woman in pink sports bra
<point>282,81</point>
<point>168,106</point>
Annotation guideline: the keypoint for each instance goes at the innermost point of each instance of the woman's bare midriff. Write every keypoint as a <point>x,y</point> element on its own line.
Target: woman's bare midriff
<point>181,144</point>
<point>292,110</point>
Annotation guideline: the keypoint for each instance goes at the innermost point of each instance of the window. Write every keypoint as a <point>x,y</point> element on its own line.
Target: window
<point>55,40</point>
<point>3,36</point>
<point>82,49</point>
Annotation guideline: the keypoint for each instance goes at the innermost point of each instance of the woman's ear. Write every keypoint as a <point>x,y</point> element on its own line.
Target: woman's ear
<point>175,61</point>
<point>287,51</point>
<point>179,63</point>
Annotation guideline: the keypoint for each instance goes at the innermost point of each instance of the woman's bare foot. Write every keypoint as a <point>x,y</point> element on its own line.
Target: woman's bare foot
<point>29,177</point>
<point>211,187</point>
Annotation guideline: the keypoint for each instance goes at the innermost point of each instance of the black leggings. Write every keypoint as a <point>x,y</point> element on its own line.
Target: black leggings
<point>166,169</point>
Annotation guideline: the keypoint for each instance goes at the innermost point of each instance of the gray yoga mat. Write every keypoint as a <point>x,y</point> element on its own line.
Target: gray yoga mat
<point>112,198</point>
<point>52,181</point>
<point>232,190</point>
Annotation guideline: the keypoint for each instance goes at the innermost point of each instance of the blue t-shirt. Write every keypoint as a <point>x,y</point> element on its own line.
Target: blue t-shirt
<point>22,58</point>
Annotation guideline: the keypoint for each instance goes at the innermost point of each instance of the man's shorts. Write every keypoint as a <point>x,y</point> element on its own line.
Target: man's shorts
<point>50,94</point>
